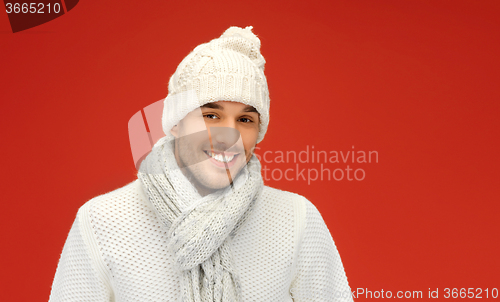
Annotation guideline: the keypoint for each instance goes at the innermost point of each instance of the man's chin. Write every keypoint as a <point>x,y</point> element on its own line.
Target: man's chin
<point>209,178</point>
<point>206,186</point>
<point>218,180</point>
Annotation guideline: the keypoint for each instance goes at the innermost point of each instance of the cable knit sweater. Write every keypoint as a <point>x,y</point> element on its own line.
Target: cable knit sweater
<point>117,251</point>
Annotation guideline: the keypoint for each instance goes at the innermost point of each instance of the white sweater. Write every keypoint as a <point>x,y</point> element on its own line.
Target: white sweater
<point>117,251</point>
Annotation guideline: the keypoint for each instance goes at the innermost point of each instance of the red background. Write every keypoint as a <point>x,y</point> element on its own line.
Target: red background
<point>416,81</point>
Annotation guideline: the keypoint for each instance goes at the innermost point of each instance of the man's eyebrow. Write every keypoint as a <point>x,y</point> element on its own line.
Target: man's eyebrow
<point>247,108</point>
<point>213,106</point>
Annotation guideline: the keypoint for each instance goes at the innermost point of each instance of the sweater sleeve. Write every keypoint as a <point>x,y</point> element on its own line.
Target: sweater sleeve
<point>319,275</point>
<point>81,274</point>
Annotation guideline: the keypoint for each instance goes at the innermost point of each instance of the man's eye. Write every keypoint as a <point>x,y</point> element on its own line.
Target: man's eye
<point>245,120</point>
<point>210,116</point>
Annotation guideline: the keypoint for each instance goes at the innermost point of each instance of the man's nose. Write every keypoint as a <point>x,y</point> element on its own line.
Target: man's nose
<point>226,136</point>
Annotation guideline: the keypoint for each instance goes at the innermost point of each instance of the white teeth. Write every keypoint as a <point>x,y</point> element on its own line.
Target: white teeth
<point>220,158</point>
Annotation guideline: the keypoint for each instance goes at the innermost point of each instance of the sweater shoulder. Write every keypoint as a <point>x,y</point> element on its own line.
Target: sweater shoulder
<point>123,193</point>
<point>119,206</point>
<point>285,208</point>
<point>286,197</point>
<point>285,202</point>
<point>288,200</point>
<point>282,197</point>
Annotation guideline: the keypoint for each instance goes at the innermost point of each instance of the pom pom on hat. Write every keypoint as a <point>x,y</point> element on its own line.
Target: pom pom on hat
<point>245,33</point>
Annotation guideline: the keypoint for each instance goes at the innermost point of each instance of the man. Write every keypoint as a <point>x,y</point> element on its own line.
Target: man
<point>198,224</point>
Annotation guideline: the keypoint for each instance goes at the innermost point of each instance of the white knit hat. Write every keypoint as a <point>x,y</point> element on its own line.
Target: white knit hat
<point>229,68</point>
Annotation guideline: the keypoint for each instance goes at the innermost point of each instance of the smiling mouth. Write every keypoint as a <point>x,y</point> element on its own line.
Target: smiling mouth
<point>221,156</point>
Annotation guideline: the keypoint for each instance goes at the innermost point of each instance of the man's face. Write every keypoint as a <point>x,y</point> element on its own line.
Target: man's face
<point>214,142</point>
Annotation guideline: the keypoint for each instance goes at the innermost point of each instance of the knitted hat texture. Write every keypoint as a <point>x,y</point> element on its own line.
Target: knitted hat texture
<point>229,68</point>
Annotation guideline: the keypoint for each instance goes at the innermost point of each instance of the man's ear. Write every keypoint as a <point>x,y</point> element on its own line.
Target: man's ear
<point>175,131</point>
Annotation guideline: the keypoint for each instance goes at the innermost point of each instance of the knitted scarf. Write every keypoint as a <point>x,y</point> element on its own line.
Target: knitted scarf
<point>200,227</point>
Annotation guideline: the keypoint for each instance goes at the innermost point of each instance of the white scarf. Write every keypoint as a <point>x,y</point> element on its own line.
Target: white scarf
<point>200,227</point>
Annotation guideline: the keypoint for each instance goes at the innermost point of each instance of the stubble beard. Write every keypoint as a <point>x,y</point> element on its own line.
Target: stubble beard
<point>198,169</point>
